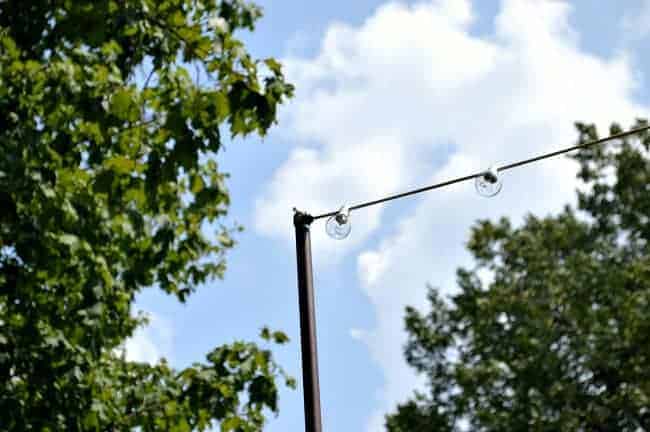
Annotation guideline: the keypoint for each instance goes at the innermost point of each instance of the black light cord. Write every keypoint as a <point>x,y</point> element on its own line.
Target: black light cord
<point>501,168</point>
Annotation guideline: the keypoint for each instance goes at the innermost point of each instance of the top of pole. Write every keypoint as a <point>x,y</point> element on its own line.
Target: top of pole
<point>302,218</point>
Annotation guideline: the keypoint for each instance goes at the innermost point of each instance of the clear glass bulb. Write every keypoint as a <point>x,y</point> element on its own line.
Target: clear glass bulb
<point>489,183</point>
<point>338,226</point>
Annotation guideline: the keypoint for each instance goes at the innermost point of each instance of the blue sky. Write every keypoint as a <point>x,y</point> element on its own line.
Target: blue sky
<point>389,96</point>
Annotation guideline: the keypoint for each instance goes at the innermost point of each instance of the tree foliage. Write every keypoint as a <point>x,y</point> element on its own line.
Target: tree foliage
<point>111,114</point>
<point>556,337</point>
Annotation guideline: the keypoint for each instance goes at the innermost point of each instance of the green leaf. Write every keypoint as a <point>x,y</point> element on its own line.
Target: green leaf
<point>121,164</point>
<point>280,337</point>
<point>70,240</point>
<point>123,106</point>
<point>197,184</point>
<point>274,65</point>
<point>230,424</point>
<point>91,421</point>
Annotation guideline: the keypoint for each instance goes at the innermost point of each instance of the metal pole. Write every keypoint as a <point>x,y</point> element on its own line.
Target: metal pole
<point>310,384</point>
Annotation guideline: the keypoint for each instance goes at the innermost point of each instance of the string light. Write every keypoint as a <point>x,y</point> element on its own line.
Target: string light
<point>487,183</point>
<point>338,226</point>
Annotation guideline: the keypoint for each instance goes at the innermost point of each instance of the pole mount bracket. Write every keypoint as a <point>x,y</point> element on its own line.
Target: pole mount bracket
<point>302,218</point>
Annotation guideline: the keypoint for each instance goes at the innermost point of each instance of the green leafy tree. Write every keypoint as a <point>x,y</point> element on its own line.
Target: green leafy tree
<point>556,338</point>
<point>111,115</point>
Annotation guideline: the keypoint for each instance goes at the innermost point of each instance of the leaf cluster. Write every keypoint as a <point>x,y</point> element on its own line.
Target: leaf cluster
<point>111,114</point>
<point>549,330</point>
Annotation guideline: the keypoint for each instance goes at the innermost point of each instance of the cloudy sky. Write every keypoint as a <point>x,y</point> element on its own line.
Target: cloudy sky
<point>393,95</point>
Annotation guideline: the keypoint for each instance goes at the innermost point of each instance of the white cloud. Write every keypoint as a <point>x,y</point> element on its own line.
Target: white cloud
<point>381,101</point>
<point>151,343</point>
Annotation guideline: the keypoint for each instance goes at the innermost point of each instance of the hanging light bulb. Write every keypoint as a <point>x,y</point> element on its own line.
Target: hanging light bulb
<point>338,226</point>
<point>489,183</point>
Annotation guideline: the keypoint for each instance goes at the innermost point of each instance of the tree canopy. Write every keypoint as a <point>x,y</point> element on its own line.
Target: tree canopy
<point>555,338</point>
<point>111,116</point>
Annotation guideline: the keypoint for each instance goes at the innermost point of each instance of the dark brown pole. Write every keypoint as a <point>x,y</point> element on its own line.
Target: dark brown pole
<point>310,384</point>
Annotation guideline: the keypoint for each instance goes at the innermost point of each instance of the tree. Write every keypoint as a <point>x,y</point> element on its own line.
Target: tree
<point>556,337</point>
<point>111,114</point>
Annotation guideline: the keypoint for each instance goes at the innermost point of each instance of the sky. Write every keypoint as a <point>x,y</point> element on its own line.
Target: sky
<point>392,95</point>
